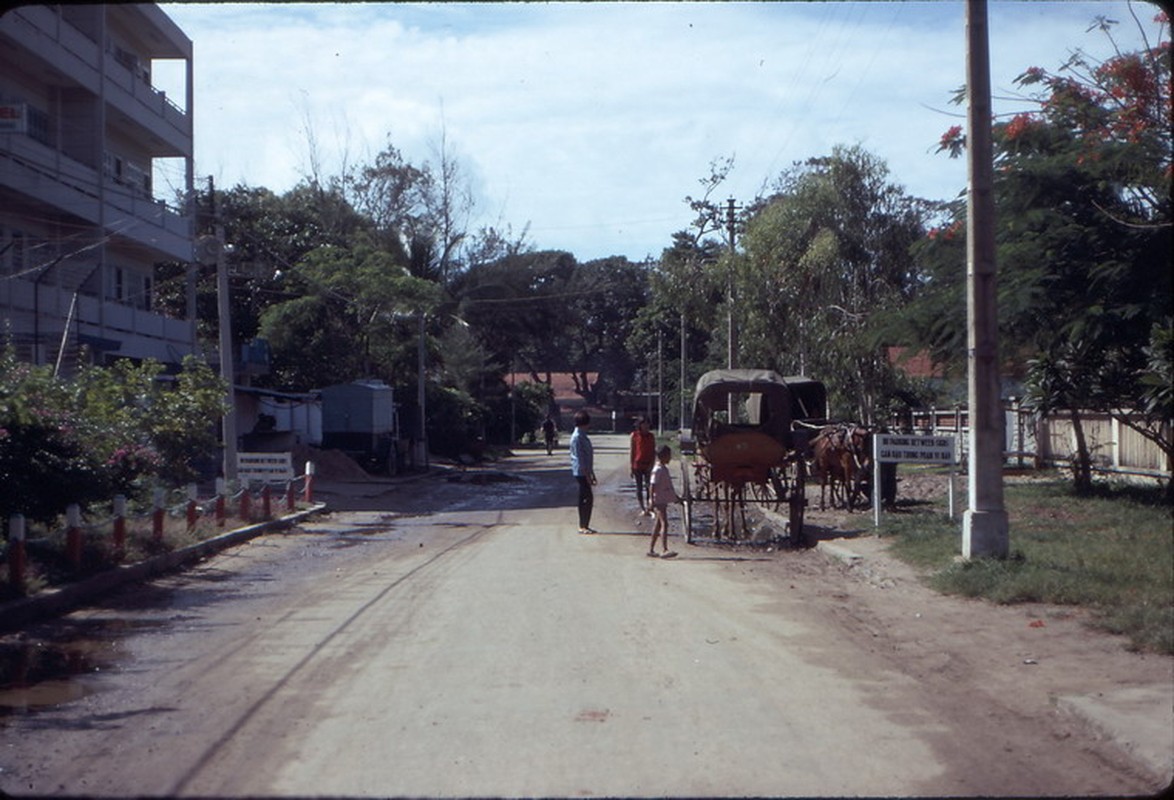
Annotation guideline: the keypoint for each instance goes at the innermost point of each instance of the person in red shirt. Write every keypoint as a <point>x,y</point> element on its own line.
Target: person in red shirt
<point>642,455</point>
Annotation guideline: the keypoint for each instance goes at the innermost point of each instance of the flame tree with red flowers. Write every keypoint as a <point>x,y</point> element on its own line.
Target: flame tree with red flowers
<point>1083,186</point>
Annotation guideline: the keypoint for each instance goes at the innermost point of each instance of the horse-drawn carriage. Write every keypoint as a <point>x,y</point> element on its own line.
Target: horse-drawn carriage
<point>749,441</point>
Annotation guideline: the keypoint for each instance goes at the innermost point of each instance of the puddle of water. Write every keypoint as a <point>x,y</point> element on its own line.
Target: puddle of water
<point>62,661</point>
<point>36,675</point>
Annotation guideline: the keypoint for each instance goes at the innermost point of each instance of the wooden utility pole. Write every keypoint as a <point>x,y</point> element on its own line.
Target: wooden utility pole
<point>985,530</point>
<point>224,309</point>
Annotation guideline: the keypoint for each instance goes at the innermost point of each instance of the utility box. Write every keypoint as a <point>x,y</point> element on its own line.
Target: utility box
<point>359,419</point>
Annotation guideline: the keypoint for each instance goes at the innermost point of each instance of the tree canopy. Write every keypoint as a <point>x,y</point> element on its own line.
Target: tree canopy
<point>1083,186</point>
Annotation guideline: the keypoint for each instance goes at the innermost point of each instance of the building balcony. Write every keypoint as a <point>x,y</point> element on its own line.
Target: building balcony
<point>49,179</point>
<point>38,315</point>
<point>58,54</point>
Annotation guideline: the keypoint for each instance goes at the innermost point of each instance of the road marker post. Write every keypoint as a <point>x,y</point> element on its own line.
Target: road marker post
<point>157,514</point>
<point>309,490</point>
<point>119,523</point>
<point>16,553</point>
<point>246,506</point>
<point>73,535</point>
<point>220,512</point>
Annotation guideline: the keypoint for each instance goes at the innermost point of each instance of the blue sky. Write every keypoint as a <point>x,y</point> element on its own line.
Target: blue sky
<point>590,122</point>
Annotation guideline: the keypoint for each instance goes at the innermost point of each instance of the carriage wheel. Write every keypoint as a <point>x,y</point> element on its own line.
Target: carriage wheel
<point>798,502</point>
<point>686,503</point>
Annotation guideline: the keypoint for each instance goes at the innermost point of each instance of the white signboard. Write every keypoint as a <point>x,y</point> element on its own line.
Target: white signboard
<point>910,449</point>
<point>900,448</point>
<point>264,467</point>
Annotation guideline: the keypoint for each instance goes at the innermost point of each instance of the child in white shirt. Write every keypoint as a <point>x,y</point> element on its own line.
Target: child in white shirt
<point>661,493</point>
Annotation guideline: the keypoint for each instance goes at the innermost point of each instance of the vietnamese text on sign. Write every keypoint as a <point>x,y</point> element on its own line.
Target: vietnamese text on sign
<point>899,448</point>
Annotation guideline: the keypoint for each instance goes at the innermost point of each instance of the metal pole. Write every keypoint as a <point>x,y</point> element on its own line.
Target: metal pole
<point>421,428</point>
<point>513,405</point>
<point>985,529</point>
<point>681,419</point>
<point>659,379</point>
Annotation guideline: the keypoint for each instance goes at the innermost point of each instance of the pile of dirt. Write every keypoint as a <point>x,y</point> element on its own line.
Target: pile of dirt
<point>329,465</point>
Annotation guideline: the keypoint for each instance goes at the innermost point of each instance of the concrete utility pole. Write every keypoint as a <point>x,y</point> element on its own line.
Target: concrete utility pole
<point>985,530</point>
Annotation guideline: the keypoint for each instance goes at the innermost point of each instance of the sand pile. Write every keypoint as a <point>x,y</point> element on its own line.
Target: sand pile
<point>328,464</point>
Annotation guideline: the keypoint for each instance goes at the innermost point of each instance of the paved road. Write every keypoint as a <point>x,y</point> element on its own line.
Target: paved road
<point>489,649</point>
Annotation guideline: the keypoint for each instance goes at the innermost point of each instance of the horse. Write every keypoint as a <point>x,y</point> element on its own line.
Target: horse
<point>842,459</point>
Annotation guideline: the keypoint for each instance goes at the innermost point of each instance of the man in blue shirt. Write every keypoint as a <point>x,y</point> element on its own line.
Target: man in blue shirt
<point>583,468</point>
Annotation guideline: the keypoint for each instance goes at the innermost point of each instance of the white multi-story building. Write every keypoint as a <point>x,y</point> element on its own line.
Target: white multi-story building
<point>85,134</point>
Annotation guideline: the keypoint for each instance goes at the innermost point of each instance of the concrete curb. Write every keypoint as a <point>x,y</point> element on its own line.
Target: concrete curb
<point>52,602</point>
<point>1126,717</point>
<point>839,552</point>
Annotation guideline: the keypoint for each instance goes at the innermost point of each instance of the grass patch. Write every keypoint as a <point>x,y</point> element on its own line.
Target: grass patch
<point>1112,553</point>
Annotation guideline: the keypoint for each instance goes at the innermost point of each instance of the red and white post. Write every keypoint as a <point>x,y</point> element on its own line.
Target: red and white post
<point>119,523</point>
<point>309,490</point>
<point>73,535</point>
<point>220,511</point>
<point>16,553</point>
<point>157,515</point>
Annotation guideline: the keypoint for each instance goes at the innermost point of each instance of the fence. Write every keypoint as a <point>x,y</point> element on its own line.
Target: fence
<point>249,507</point>
<point>1032,439</point>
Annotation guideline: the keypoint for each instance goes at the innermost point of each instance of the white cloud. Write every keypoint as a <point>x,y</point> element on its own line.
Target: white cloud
<point>593,121</point>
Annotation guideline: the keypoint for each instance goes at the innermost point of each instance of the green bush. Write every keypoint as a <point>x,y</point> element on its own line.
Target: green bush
<point>118,429</point>
<point>42,470</point>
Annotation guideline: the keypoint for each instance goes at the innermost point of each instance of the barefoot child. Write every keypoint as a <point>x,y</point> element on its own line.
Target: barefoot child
<point>661,493</point>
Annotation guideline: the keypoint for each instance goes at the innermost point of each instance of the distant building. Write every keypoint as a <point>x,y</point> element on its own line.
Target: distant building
<point>84,132</point>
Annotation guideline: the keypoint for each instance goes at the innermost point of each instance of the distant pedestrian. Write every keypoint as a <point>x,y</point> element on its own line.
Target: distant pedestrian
<point>583,468</point>
<point>662,493</point>
<point>549,433</point>
<point>642,456</point>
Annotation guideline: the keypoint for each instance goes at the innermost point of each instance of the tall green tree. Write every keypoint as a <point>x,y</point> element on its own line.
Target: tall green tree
<point>824,257</point>
<point>518,306</point>
<point>604,297</point>
<point>353,315</point>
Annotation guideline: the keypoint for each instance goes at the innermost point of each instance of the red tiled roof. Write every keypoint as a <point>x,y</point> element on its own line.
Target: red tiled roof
<point>915,365</point>
<point>563,383</point>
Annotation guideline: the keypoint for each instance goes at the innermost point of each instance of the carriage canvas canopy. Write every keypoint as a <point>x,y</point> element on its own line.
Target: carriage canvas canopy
<point>768,401</point>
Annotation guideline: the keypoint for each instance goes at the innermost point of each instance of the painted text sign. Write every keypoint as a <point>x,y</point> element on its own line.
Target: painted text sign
<point>265,467</point>
<point>907,449</point>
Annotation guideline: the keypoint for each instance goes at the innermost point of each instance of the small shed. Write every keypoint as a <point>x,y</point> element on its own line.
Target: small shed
<point>359,417</point>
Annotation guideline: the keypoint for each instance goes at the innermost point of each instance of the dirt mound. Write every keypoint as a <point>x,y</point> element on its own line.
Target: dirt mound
<point>329,465</point>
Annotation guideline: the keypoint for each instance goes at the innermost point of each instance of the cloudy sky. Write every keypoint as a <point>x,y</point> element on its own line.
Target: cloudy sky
<point>590,122</point>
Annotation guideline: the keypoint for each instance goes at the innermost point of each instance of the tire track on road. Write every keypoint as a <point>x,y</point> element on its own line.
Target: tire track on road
<point>202,763</point>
